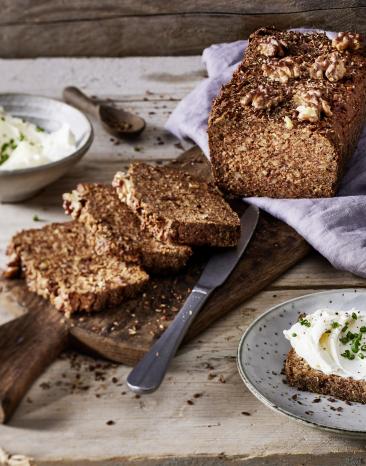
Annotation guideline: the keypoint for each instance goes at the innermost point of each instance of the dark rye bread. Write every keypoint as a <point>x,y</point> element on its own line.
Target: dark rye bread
<point>59,264</point>
<point>300,375</point>
<point>176,207</point>
<point>115,229</point>
<point>287,123</point>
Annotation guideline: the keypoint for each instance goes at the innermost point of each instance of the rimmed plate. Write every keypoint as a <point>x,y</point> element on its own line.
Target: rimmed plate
<point>263,349</point>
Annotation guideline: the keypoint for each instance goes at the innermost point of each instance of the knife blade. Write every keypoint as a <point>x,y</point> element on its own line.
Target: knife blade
<point>148,374</point>
<point>222,263</point>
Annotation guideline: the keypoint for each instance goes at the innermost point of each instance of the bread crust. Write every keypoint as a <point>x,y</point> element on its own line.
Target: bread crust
<point>300,375</point>
<point>271,152</point>
<point>176,207</point>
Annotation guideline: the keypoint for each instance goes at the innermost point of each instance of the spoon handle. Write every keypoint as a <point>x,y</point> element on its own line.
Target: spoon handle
<point>73,96</point>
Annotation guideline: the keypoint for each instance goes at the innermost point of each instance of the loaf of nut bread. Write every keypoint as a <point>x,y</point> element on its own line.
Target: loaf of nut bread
<point>287,123</point>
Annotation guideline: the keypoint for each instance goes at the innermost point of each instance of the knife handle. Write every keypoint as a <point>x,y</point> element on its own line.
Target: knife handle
<point>148,374</point>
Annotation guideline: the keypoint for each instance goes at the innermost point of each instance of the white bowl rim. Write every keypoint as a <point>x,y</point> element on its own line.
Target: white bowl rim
<point>45,166</point>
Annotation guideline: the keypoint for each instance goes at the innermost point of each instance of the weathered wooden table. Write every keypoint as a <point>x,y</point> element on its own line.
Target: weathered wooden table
<point>80,410</point>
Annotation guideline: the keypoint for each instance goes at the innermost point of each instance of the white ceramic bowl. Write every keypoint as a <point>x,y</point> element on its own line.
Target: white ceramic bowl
<point>50,114</point>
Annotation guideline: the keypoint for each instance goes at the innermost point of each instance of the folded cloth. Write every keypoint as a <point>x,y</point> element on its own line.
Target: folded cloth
<point>336,227</point>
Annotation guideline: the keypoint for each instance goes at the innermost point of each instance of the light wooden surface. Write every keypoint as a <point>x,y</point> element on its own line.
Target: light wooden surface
<point>200,414</point>
<point>31,28</point>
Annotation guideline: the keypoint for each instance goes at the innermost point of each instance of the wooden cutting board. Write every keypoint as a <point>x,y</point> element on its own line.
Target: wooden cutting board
<point>32,341</point>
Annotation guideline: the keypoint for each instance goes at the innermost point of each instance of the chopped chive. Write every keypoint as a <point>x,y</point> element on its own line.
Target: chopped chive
<point>294,334</point>
<point>3,158</point>
<point>348,355</point>
<point>345,328</point>
<point>354,315</point>
<point>363,347</point>
<point>363,329</point>
<point>350,337</point>
<point>37,219</point>
<point>356,343</point>
<point>335,324</point>
<point>305,322</point>
<point>361,356</point>
<point>4,146</point>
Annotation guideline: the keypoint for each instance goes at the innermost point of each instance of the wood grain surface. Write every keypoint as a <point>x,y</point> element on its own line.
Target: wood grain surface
<point>125,333</point>
<point>28,344</point>
<point>65,419</point>
<point>30,28</point>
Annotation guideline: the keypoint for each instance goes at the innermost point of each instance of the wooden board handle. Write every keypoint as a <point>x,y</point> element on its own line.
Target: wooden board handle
<point>28,345</point>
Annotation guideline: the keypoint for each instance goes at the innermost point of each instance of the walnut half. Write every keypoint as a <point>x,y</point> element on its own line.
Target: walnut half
<point>272,47</point>
<point>281,70</point>
<point>347,41</point>
<point>332,65</point>
<point>311,105</point>
<point>262,98</point>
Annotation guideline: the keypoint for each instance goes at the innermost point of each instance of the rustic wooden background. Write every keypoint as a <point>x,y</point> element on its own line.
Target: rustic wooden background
<point>32,28</point>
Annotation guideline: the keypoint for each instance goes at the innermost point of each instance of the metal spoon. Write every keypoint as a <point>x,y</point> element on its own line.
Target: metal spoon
<point>116,121</point>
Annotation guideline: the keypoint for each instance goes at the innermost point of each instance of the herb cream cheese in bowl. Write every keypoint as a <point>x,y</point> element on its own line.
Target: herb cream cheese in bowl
<point>40,140</point>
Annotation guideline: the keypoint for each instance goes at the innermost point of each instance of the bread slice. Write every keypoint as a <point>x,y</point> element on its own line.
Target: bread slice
<point>176,207</point>
<point>115,229</point>
<point>300,375</point>
<point>287,123</point>
<point>59,264</point>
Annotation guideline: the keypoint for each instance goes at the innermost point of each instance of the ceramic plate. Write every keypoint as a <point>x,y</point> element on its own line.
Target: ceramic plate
<point>263,349</point>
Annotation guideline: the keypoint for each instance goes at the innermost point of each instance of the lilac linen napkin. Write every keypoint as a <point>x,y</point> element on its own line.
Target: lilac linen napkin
<point>335,227</point>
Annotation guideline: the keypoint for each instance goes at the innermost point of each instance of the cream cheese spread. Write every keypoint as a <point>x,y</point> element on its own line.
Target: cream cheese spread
<point>23,144</point>
<point>333,342</point>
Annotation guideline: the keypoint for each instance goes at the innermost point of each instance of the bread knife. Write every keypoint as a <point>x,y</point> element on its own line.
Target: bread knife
<point>149,373</point>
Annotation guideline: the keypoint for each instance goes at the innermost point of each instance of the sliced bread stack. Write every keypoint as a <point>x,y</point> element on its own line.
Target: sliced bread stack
<point>148,220</point>
<point>115,229</point>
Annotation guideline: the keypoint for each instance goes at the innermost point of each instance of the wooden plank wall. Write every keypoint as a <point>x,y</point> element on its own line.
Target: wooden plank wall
<point>32,28</point>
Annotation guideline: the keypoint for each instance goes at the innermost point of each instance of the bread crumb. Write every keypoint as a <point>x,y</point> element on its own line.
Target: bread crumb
<point>288,122</point>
